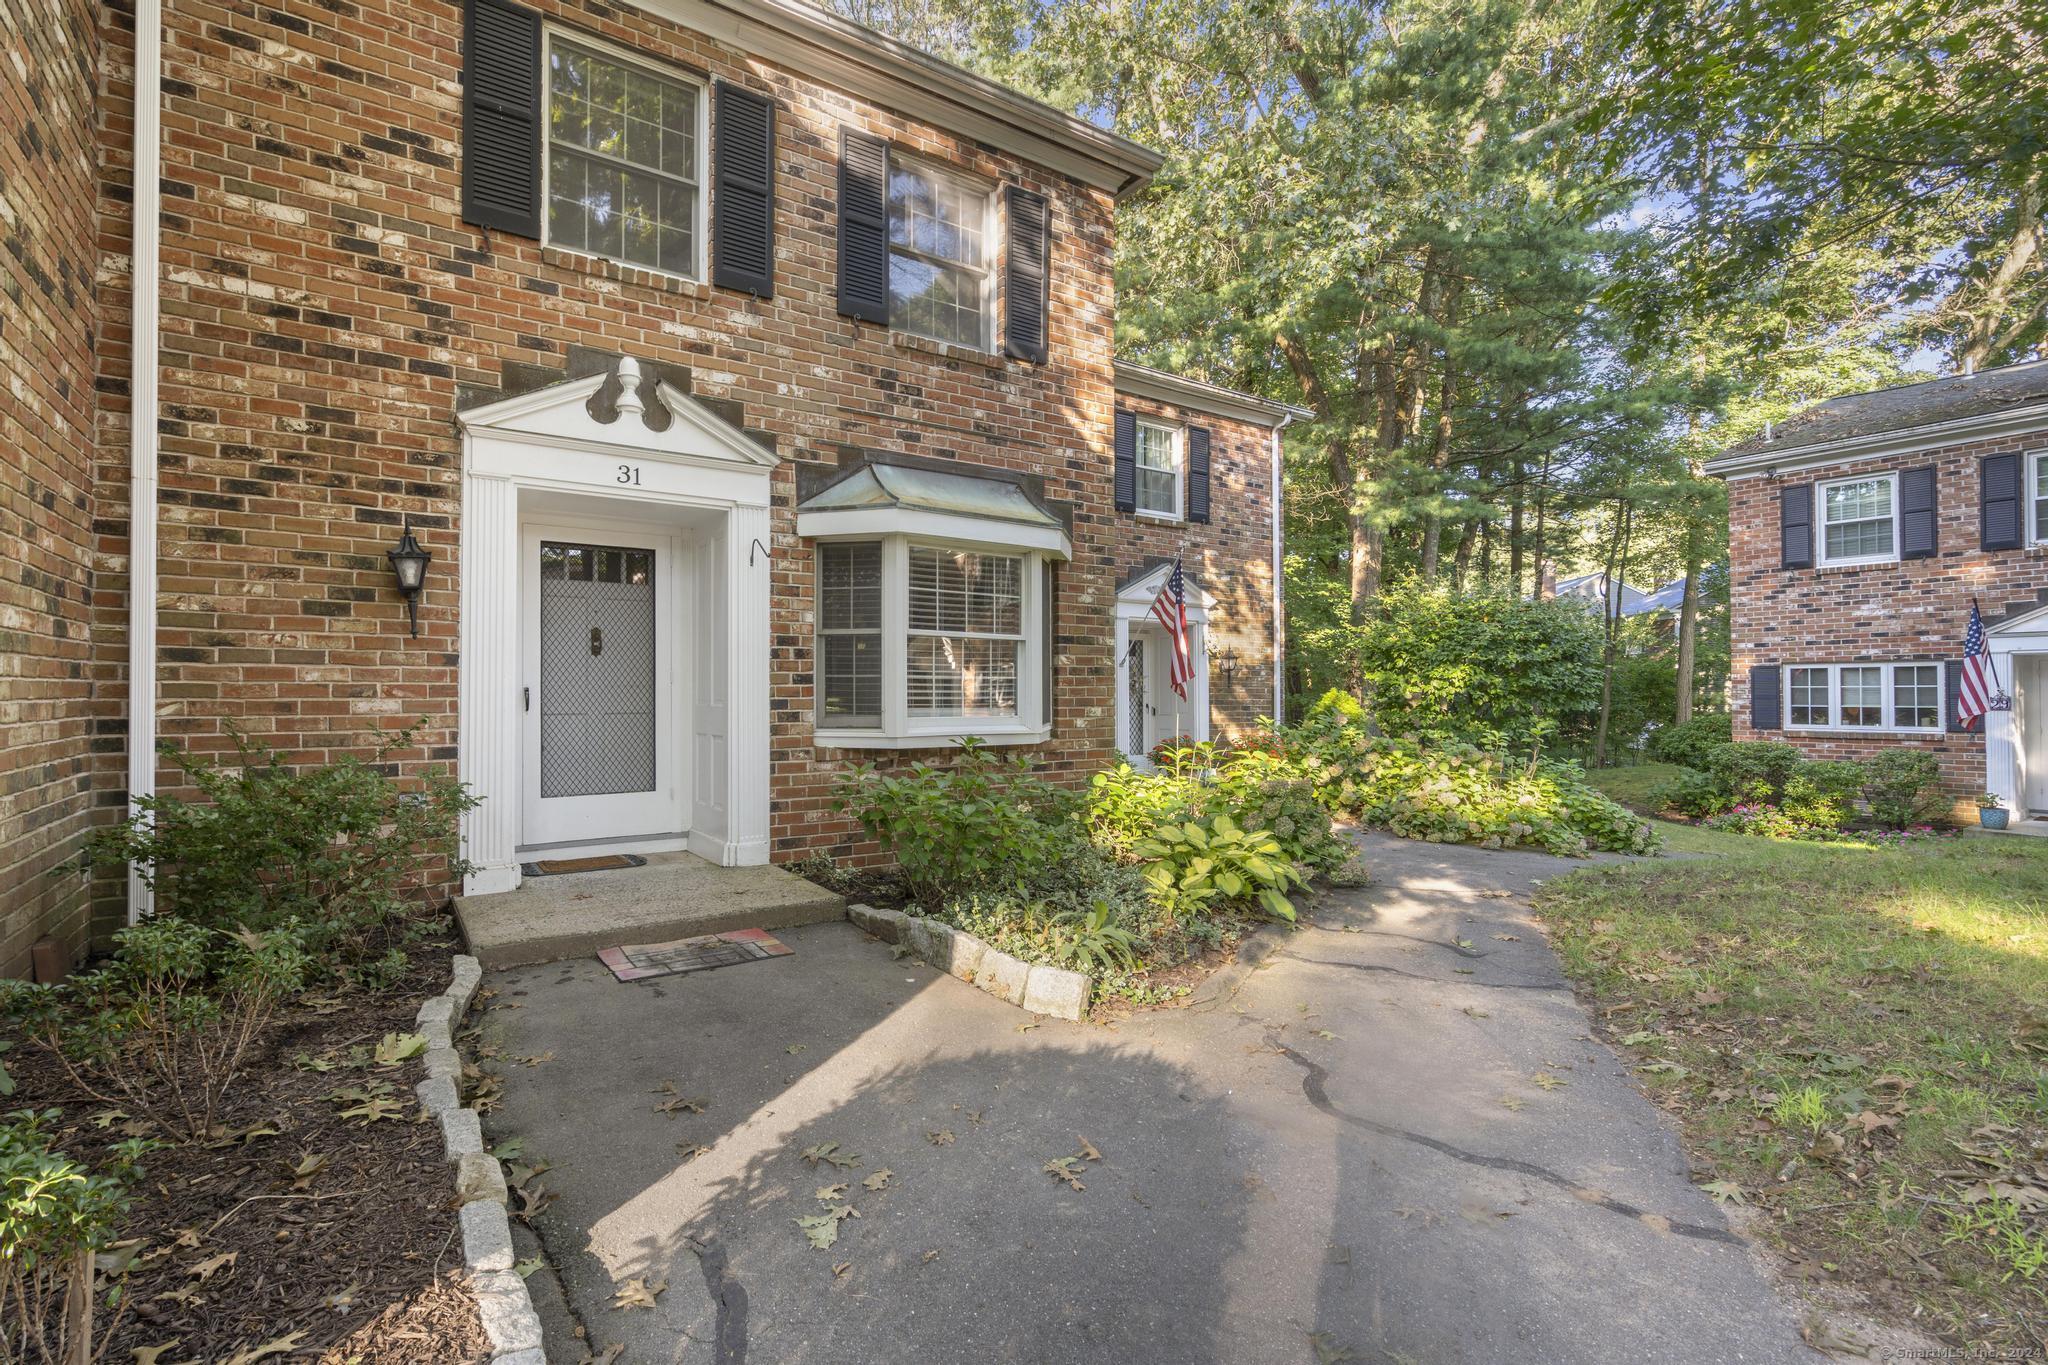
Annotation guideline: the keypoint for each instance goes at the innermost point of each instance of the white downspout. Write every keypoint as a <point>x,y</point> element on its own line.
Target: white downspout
<point>144,336</point>
<point>1279,584</point>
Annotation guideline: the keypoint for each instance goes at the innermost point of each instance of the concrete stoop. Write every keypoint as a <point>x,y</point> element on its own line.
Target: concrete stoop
<point>676,895</point>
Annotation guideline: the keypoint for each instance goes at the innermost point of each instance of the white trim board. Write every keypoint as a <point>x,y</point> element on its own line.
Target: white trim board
<point>1905,442</point>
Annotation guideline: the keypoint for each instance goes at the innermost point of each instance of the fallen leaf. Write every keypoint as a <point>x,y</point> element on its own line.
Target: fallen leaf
<point>638,1293</point>
<point>942,1138</point>
<point>823,1229</point>
<point>841,1269</point>
<point>280,1346</point>
<point>1512,1103</point>
<point>1026,1028</point>
<point>1509,938</point>
<point>1726,1191</point>
<point>1066,1168</point>
<point>1638,1039</point>
<point>690,1151</point>
<point>829,1152</point>
<point>878,1180</point>
<point>309,1166</point>
<point>146,1355</point>
<point>1548,1081</point>
<point>795,1048</point>
<point>1325,1035</point>
<point>1477,1013</point>
<point>1088,1150</point>
<point>1329,1351</point>
<point>204,1270</point>
<point>400,1047</point>
<point>528,1266</point>
<point>930,1256</point>
<point>829,1194</point>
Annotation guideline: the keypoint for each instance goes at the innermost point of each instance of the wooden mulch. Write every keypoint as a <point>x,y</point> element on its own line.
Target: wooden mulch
<point>325,1238</point>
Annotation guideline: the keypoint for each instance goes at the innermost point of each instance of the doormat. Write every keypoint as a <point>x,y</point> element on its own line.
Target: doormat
<point>638,961</point>
<point>557,867</point>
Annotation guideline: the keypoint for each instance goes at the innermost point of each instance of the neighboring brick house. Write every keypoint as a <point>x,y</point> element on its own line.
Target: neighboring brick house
<point>1860,532</point>
<point>748,377</point>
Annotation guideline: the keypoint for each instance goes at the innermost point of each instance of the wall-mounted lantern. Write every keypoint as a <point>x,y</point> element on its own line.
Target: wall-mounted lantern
<point>1227,663</point>
<point>409,562</point>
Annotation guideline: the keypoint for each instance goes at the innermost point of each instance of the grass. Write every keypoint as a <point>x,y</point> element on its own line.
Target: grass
<point>1632,786</point>
<point>1855,1040</point>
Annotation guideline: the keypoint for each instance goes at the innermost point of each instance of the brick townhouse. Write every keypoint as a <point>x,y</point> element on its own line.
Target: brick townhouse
<point>745,377</point>
<point>1860,533</point>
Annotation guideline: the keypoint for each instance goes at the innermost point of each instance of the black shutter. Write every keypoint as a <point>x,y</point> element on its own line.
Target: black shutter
<point>1998,502</point>
<point>1126,461</point>
<point>1027,275</point>
<point>1952,697</point>
<point>1198,473</point>
<point>1916,513</point>
<point>501,117</point>
<point>742,190</point>
<point>1795,526</point>
<point>863,227</point>
<point>1766,708</point>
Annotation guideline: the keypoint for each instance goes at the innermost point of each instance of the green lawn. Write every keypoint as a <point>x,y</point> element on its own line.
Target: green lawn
<point>1632,786</point>
<point>1855,1040</point>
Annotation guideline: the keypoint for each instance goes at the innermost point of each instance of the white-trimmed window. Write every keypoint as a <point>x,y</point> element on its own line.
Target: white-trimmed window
<point>942,252</point>
<point>1859,520</point>
<point>1159,469</point>
<point>1900,698</point>
<point>920,642</point>
<point>625,159</point>
<point>2037,497</point>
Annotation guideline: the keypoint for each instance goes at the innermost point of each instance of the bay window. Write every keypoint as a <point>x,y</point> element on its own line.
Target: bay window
<point>921,642</point>
<point>1874,697</point>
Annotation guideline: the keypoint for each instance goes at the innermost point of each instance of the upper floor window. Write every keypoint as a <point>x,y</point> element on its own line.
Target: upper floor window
<point>941,249</point>
<point>624,160</point>
<point>1859,520</point>
<point>2037,496</point>
<point>1159,470</point>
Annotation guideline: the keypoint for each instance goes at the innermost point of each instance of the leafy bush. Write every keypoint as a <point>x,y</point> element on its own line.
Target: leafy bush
<point>1195,863</point>
<point>1339,703</point>
<point>1455,793</point>
<point>1690,793</point>
<point>1260,788</point>
<point>983,822</point>
<point>1768,821</point>
<point>1091,941</point>
<point>1902,787</point>
<point>1493,670</point>
<point>163,1030</point>
<point>56,1217</point>
<point>340,849</point>
<point>1753,772</point>
<point>1689,742</point>
<point>1822,794</point>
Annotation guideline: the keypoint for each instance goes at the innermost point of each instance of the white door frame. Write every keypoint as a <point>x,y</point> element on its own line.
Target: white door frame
<point>2004,764</point>
<point>662,812</point>
<point>1133,610</point>
<point>548,443</point>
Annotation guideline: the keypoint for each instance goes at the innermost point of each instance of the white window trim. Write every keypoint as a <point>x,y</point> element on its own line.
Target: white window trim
<point>701,173</point>
<point>899,728</point>
<point>1179,437</point>
<point>994,238</point>
<point>2036,533</point>
<point>1890,725</point>
<point>1820,522</point>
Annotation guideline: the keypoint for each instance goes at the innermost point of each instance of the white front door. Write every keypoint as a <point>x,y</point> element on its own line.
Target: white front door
<point>599,617</point>
<point>2030,702</point>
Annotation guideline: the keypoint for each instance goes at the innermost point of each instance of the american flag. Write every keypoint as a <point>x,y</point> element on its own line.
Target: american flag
<point>1170,609</point>
<point>1979,692</point>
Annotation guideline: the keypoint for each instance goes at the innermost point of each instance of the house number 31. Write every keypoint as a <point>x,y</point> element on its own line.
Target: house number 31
<point>629,473</point>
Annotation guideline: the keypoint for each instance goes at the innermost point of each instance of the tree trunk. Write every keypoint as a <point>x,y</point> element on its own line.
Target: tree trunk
<point>1688,628</point>
<point>1617,565</point>
<point>1461,558</point>
<point>1439,460</point>
<point>1515,534</point>
<point>1486,554</point>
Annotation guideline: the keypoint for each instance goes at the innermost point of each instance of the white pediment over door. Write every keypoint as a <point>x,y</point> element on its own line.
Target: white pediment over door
<point>672,426</point>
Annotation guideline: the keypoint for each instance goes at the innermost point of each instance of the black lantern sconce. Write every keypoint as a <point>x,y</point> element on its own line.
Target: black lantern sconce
<point>1227,664</point>
<point>409,562</point>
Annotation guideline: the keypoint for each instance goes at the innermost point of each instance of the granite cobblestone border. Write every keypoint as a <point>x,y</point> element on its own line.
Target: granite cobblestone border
<point>1035,987</point>
<point>502,1300</point>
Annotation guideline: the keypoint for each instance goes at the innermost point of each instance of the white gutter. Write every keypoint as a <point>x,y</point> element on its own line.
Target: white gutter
<point>1279,583</point>
<point>1900,441</point>
<point>144,337</point>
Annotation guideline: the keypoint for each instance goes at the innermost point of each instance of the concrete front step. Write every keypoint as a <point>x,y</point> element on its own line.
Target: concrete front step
<point>676,895</point>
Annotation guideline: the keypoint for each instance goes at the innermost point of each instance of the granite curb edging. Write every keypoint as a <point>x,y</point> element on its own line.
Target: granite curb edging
<point>1034,987</point>
<point>502,1300</point>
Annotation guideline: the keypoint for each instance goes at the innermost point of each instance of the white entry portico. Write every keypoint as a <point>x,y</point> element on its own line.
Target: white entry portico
<point>1148,711</point>
<point>2016,739</point>
<point>614,627</point>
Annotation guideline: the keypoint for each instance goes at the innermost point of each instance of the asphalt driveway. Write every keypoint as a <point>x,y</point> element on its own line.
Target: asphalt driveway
<point>1393,1138</point>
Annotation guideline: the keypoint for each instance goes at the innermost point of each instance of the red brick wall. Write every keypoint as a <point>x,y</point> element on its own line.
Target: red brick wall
<point>48,81</point>
<point>1231,555</point>
<point>1915,609</point>
<point>323,301</point>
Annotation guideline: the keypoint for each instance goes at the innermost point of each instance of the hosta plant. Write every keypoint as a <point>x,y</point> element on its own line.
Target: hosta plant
<point>1197,863</point>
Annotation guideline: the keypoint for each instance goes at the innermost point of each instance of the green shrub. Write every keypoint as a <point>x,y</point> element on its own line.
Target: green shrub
<point>1690,793</point>
<point>1260,788</point>
<point>1751,772</point>
<point>1091,941</point>
<point>982,822</point>
<point>1822,794</point>
<point>164,1029</point>
<point>1688,743</point>
<point>1769,822</point>
<point>1454,793</point>
<point>1902,787</point>
<point>56,1217</point>
<point>1193,864</point>
<point>342,848</point>
<point>1338,703</point>
<point>1494,670</point>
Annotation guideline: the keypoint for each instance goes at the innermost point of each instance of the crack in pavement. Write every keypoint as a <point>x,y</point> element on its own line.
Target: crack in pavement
<point>1418,976</point>
<point>1472,953</point>
<point>1314,1077</point>
<point>729,1339</point>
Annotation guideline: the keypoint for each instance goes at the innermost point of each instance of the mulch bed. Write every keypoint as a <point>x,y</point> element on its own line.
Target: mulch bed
<point>357,1260</point>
